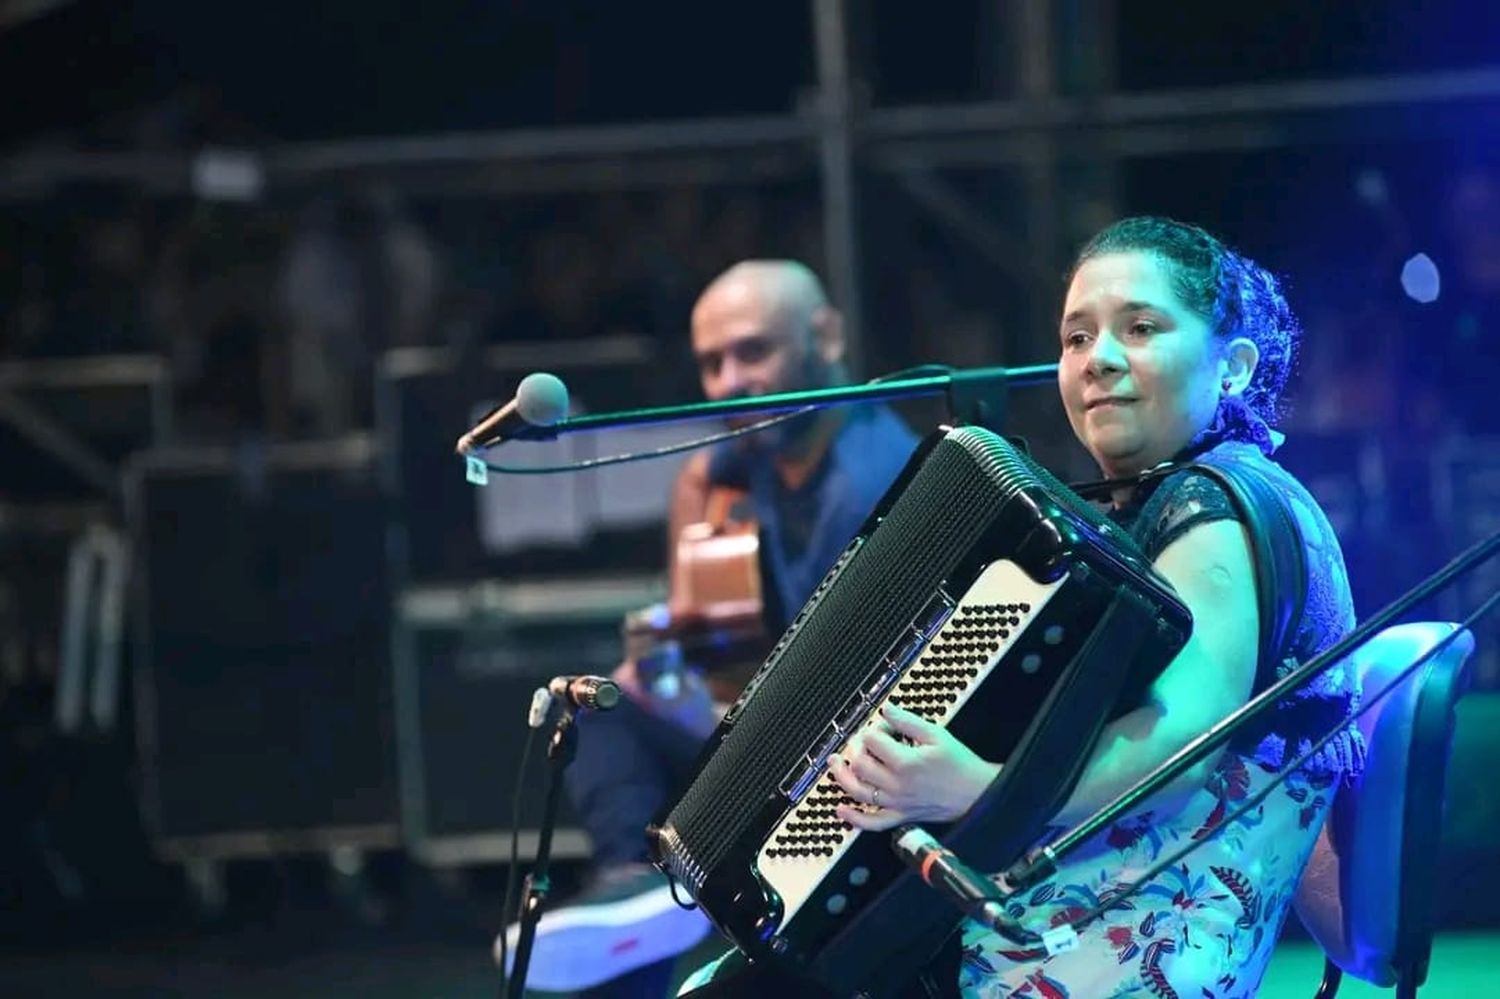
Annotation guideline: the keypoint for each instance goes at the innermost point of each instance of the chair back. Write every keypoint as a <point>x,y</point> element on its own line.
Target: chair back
<point>1368,891</point>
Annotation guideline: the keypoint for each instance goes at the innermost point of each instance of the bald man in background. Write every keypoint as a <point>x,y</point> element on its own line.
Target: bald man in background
<point>761,327</point>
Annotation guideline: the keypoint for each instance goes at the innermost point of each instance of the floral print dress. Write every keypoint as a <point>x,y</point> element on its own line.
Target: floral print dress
<point>1204,928</point>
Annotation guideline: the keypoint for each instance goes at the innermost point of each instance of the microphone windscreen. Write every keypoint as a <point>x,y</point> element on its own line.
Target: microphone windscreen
<point>542,399</point>
<point>607,696</point>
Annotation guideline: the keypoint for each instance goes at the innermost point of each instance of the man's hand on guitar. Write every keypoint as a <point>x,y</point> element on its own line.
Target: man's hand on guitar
<point>679,696</point>
<point>931,777</point>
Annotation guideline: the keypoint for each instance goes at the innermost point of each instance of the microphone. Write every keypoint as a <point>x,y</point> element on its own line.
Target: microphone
<point>541,400</point>
<point>590,693</point>
<point>973,893</point>
<point>955,880</point>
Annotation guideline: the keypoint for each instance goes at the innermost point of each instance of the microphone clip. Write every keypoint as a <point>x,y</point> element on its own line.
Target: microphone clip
<point>971,892</point>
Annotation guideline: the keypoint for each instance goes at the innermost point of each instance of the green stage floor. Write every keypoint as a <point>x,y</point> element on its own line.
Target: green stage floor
<point>1464,966</point>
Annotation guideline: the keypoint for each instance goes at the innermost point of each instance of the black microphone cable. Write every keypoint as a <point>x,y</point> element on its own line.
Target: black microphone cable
<point>689,445</point>
<point>517,795</point>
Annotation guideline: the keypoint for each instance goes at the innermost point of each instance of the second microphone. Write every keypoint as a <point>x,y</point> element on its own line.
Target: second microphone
<point>586,693</point>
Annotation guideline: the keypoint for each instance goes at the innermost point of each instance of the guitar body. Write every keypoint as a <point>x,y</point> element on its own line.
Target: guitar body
<point>713,623</point>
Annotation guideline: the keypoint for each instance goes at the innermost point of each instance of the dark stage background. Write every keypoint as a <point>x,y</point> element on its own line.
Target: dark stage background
<point>264,654</point>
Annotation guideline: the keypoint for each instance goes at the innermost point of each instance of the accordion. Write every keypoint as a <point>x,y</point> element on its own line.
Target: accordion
<point>982,595</point>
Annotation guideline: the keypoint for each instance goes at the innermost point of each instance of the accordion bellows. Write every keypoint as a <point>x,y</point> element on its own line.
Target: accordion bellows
<point>970,598</point>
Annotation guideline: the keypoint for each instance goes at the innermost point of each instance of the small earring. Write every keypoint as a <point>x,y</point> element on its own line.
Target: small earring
<point>1226,384</point>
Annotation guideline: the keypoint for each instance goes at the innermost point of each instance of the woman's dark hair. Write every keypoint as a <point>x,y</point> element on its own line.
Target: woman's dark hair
<point>1232,293</point>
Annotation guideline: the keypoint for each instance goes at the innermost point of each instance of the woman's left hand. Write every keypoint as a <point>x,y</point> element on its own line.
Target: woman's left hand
<point>934,780</point>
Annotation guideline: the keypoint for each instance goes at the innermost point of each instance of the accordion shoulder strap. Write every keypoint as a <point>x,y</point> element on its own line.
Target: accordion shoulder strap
<point>1278,552</point>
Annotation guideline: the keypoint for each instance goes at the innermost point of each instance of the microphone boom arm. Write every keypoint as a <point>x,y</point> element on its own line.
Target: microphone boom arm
<point>969,394</point>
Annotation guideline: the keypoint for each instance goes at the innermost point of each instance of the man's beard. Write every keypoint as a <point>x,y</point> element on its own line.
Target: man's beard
<point>790,431</point>
<point>781,437</point>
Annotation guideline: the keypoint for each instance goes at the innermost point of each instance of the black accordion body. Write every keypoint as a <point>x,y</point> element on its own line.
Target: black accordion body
<point>982,595</point>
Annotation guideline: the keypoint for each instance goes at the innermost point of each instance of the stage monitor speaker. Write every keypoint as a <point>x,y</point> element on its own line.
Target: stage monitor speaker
<point>468,659</point>
<point>262,678</point>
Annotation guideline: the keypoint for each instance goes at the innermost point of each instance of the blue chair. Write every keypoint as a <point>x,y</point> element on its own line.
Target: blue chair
<point>1367,894</point>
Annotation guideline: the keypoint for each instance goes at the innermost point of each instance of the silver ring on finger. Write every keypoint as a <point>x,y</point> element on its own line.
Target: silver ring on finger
<point>875,797</point>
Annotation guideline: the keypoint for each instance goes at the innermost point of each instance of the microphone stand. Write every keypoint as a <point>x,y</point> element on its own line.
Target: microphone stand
<point>975,395</point>
<point>1029,871</point>
<point>561,748</point>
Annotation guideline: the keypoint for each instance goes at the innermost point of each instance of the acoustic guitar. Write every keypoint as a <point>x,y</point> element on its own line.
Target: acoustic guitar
<point>713,624</point>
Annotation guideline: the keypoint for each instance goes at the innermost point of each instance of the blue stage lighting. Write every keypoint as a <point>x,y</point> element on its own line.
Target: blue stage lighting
<point>1419,279</point>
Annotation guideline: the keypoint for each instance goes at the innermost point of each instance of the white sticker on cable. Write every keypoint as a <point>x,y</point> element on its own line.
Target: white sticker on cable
<point>1060,940</point>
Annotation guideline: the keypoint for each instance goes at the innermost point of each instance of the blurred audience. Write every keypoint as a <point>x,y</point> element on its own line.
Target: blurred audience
<point>356,278</point>
<point>1468,310</point>
<point>272,313</point>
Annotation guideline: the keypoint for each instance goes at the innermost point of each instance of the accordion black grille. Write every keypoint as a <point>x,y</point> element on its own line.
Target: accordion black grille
<point>931,527</point>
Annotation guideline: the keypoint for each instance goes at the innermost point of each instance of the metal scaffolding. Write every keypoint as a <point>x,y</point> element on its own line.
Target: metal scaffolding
<point>1064,89</point>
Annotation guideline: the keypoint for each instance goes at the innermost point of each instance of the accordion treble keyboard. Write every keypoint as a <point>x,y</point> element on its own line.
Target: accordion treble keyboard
<point>962,654</point>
